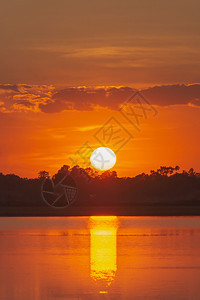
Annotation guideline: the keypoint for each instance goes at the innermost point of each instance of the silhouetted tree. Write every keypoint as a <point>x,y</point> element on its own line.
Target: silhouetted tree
<point>165,185</point>
<point>65,169</point>
<point>43,174</point>
<point>191,172</point>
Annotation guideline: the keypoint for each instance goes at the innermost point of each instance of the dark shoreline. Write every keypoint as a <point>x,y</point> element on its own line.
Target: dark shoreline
<point>137,210</point>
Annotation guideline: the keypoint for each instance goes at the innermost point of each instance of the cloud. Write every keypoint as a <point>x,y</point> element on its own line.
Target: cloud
<point>48,99</point>
<point>9,87</point>
<point>173,94</point>
<point>23,97</point>
<point>87,99</point>
<point>113,97</point>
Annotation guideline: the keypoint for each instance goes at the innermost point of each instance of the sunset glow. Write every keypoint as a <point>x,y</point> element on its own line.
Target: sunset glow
<point>62,80</point>
<point>99,149</point>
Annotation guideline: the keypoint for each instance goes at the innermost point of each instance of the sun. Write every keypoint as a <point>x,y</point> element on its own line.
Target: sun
<point>103,158</point>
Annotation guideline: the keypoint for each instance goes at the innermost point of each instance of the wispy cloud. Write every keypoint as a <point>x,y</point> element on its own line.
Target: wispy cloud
<point>140,56</point>
<point>87,128</point>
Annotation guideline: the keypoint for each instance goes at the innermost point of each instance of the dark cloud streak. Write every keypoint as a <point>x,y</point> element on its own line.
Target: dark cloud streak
<point>86,99</point>
<point>51,100</point>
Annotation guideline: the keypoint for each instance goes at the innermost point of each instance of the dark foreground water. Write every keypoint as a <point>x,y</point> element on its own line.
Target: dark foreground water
<point>100,258</point>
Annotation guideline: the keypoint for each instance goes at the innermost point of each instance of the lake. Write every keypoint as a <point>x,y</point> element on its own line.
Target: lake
<point>91,258</point>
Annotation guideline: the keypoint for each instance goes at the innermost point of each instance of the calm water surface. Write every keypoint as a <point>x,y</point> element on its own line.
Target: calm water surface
<point>100,258</point>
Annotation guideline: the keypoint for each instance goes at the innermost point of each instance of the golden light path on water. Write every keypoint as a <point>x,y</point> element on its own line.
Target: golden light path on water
<point>103,250</point>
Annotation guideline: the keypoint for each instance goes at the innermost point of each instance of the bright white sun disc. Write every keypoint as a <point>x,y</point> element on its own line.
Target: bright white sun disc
<point>103,158</point>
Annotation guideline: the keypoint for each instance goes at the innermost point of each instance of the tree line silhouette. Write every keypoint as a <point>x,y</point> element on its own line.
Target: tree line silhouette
<point>166,185</point>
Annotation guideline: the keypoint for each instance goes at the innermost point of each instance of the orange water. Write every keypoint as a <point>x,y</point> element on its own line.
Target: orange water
<point>100,258</point>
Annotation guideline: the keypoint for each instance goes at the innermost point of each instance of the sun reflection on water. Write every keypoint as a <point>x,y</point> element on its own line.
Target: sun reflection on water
<point>103,250</point>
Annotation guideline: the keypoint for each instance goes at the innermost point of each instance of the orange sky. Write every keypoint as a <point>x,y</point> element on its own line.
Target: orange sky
<point>33,141</point>
<point>50,48</point>
<point>115,42</point>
